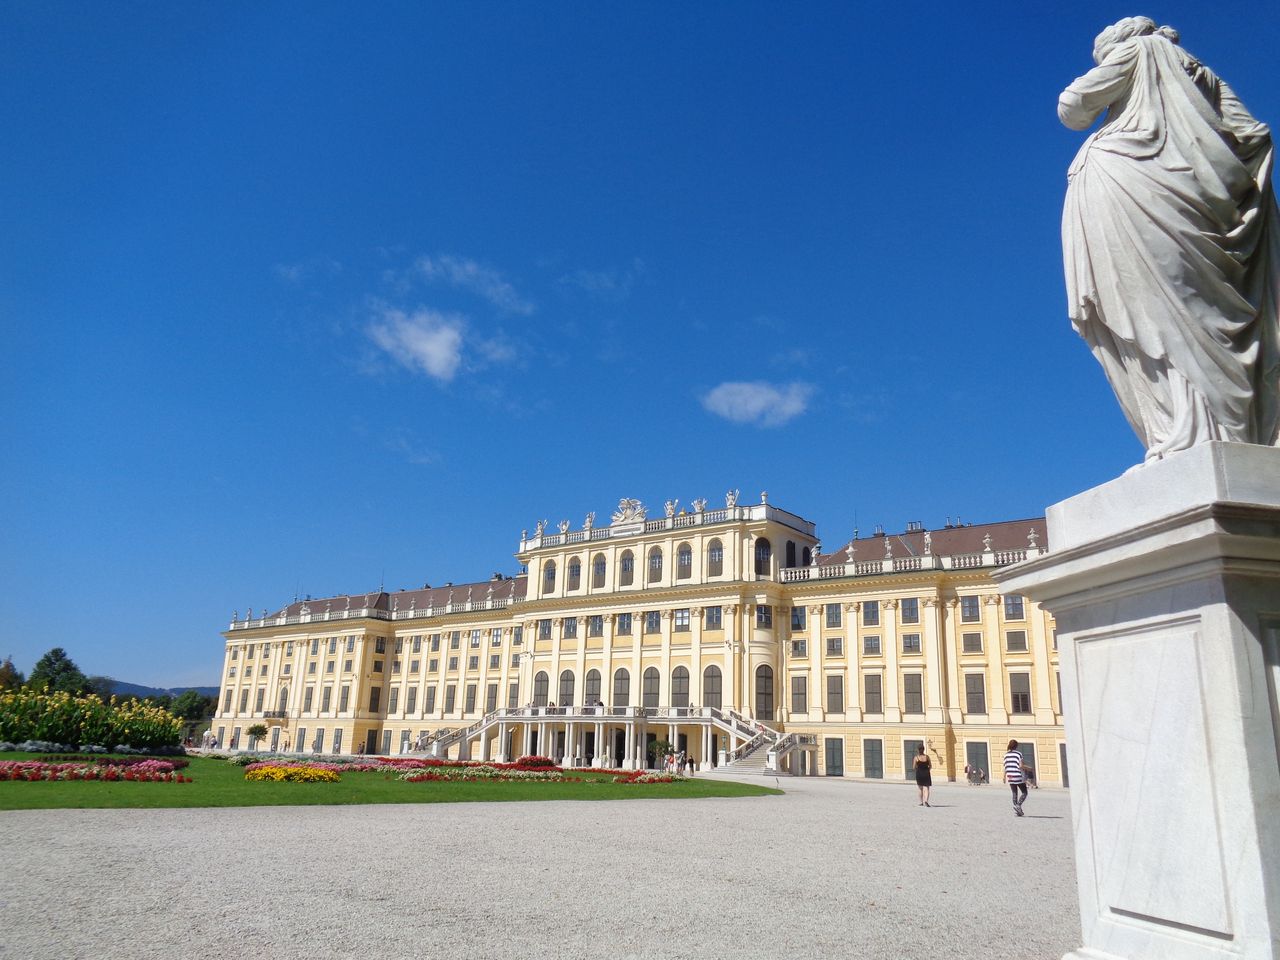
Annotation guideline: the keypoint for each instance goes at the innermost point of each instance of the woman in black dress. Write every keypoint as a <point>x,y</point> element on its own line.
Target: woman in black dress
<point>924,779</point>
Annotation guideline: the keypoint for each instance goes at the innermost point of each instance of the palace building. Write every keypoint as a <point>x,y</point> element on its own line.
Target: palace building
<point>724,632</point>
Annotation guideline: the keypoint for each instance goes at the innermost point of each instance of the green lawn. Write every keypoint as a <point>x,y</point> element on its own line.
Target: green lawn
<point>220,784</point>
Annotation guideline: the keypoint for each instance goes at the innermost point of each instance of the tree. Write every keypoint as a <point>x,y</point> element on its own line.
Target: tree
<point>192,705</point>
<point>59,673</point>
<point>102,686</point>
<point>256,733</point>
<point>10,676</point>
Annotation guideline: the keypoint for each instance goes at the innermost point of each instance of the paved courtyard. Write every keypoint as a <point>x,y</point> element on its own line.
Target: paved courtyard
<point>832,869</point>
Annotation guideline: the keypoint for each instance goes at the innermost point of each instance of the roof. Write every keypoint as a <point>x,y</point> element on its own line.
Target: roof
<point>947,541</point>
<point>505,589</point>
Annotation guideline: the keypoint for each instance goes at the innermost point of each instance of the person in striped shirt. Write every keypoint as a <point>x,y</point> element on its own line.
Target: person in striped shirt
<point>1015,775</point>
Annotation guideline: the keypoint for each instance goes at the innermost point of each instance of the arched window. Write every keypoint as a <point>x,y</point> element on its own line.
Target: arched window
<point>548,576</point>
<point>284,699</point>
<point>807,557</point>
<point>711,685</point>
<point>764,692</point>
<point>684,562</point>
<point>575,575</point>
<point>715,558</point>
<point>540,684</point>
<point>566,689</point>
<point>791,553</point>
<point>652,679</point>
<point>626,568</point>
<point>591,695</point>
<point>598,566</point>
<point>764,553</point>
<point>622,689</point>
<point>655,565</point>
<point>680,687</point>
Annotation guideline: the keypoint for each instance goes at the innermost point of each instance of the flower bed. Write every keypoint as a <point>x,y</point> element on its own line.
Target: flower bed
<point>649,776</point>
<point>482,771</point>
<point>27,715</point>
<point>175,763</point>
<point>279,773</point>
<point>147,771</point>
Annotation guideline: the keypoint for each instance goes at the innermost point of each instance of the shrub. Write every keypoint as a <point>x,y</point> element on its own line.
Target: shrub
<point>532,763</point>
<point>56,722</point>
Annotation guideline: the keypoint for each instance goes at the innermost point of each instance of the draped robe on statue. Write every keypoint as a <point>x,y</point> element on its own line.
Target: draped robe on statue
<point>1171,243</point>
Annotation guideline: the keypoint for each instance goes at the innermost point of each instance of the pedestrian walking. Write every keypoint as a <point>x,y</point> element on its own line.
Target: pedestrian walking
<point>1015,775</point>
<point>924,775</point>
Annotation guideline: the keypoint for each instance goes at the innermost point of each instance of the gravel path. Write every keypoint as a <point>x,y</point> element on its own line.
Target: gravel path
<point>832,869</point>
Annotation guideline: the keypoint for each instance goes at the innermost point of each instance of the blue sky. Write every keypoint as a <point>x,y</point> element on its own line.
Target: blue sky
<point>305,298</point>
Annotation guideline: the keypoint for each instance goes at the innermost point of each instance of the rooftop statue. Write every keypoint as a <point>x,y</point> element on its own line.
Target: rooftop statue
<point>1171,243</point>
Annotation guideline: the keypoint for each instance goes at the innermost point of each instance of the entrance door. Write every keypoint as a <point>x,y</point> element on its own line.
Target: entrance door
<point>975,755</point>
<point>1062,764</point>
<point>275,739</point>
<point>682,743</point>
<point>589,747</point>
<point>1028,751</point>
<point>371,745</point>
<point>559,745</point>
<point>909,750</point>
<point>619,747</point>
<point>835,756</point>
<point>386,741</point>
<point>715,750</point>
<point>649,740</point>
<point>873,759</point>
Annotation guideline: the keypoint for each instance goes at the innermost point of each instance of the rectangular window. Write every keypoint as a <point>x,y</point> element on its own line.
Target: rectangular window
<point>970,609</point>
<point>453,663</point>
<point>377,666</point>
<point>681,620</point>
<point>231,672</point>
<point>393,699</point>
<point>435,643</point>
<point>909,610</point>
<point>1019,693</point>
<point>415,666</point>
<point>517,636</point>
<point>235,653</point>
<point>301,742</point>
<point>1014,608</point>
<point>311,669</point>
<point>288,669</point>
<point>417,644</point>
<point>570,628</point>
<point>491,698</point>
<point>835,693</point>
<point>248,653</point>
<point>333,646</point>
<point>544,629</point>
<point>326,699</point>
<point>712,617</point>
<point>315,647</point>
<point>911,643</point>
<point>263,671</point>
<point>433,665</point>
<point>912,693</point>
<point>395,666</point>
<point>799,694</point>
<point>975,693</point>
<point>971,642</point>
<point>871,689</point>
<point>471,698</point>
<point>797,618</point>
<point>764,615</point>
<point>344,699</point>
<point>871,613</point>
<point>495,661</point>
<point>515,661</point>
<point>475,638</point>
<point>226,702</point>
<point>244,700</point>
<point>375,699</point>
<point>328,667</point>
<point>871,646</point>
<point>317,745</point>
<point>595,625</point>
<point>652,621</point>
<point>495,637</point>
<point>430,705</point>
<point>380,645</point>
<point>351,644</point>
<point>258,700</point>
<point>337,741</point>
<point>799,648</point>
<point>410,700</point>
<point>624,624</point>
<point>450,698</point>
<point>835,646</point>
<point>1015,641</point>
<point>833,614</point>
<point>513,695</point>
<point>307,696</point>
<point>473,663</point>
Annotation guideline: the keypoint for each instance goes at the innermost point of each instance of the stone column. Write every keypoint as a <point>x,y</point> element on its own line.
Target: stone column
<point>1164,584</point>
<point>892,647</point>
<point>501,755</point>
<point>935,679</point>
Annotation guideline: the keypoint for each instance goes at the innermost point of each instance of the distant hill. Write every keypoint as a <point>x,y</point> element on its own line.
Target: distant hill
<point>122,689</point>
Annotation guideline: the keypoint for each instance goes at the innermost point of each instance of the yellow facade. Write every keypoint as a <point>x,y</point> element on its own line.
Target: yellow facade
<point>725,632</point>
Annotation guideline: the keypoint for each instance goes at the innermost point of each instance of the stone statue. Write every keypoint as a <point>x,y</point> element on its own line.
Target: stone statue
<point>538,527</point>
<point>563,526</point>
<point>590,521</point>
<point>1171,243</point>
<point>700,505</point>
<point>731,499</point>
<point>928,543</point>
<point>629,509</point>
<point>670,507</point>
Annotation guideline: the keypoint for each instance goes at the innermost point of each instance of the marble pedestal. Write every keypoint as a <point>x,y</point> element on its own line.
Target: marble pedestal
<point>1165,585</point>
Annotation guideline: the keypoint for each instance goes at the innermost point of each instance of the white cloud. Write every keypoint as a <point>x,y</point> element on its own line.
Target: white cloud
<point>759,403</point>
<point>424,340</point>
<point>609,284</point>
<point>483,281</point>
